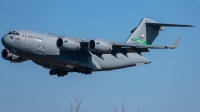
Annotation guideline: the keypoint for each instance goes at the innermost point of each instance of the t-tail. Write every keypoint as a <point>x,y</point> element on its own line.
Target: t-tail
<point>147,31</point>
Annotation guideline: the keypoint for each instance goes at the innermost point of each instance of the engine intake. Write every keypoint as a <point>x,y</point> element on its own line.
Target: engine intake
<point>5,54</point>
<point>99,46</point>
<point>67,44</point>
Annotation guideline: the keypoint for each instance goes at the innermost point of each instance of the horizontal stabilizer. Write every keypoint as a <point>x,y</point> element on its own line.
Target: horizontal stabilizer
<point>168,25</point>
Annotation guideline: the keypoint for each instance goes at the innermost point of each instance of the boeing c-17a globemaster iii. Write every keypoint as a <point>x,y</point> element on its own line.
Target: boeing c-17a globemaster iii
<point>62,54</point>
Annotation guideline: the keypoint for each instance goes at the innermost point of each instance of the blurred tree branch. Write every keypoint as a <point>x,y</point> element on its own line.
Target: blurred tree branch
<point>78,102</point>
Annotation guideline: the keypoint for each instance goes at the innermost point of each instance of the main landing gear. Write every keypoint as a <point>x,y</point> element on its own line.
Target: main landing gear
<point>59,72</point>
<point>82,70</point>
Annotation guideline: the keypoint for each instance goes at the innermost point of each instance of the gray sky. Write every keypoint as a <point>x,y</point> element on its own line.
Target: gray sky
<point>171,83</point>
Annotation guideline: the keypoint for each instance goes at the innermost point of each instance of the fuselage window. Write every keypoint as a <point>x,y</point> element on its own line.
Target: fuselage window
<point>17,34</point>
<point>11,37</point>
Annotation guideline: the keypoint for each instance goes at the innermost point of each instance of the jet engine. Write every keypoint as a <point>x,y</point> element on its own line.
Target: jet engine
<point>99,46</point>
<point>7,55</point>
<point>68,44</point>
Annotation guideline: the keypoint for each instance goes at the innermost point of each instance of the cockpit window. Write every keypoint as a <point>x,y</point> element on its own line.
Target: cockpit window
<point>14,33</point>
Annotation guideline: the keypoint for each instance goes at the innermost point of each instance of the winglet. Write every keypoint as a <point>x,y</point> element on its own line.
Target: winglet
<point>174,45</point>
<point>176,42</point>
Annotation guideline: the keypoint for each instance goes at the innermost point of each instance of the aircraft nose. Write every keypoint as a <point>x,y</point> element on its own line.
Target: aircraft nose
<point>5,40</point>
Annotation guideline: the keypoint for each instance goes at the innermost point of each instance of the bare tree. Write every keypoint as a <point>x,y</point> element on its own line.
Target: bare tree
<point>38,110</point>
<point>123,106</point>
<point>78,102</point>
<point>58,109</point>
<point>114,110</point>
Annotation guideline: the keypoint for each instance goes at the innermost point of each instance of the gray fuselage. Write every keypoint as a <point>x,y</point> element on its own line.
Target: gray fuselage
<point>42,49</point>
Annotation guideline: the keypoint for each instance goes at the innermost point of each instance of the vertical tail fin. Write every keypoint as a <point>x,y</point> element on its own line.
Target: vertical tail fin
<point>144,34</point>
<point>148,30</point>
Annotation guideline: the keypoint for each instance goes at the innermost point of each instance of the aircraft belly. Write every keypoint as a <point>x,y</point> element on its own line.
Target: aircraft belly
<point>110,62</point>
<point>49,60</point>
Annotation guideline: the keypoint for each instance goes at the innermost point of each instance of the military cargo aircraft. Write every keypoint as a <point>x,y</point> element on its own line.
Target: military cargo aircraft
<point>63,54</point>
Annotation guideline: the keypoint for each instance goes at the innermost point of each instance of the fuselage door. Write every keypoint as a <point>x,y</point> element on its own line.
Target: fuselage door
<point>28,43</point>
<point>40,49</point>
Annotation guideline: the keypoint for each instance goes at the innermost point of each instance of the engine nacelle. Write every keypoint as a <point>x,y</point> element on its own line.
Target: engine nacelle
<point>5,54</point>
<point>67,44</point>
<point>99,46</point>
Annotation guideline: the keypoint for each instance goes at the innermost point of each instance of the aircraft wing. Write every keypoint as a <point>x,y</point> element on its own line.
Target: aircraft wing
<point>139,46</point>
<point>130,47</point>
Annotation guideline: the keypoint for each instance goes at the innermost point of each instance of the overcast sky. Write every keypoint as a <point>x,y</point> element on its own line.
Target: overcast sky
<point>171,83</point>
